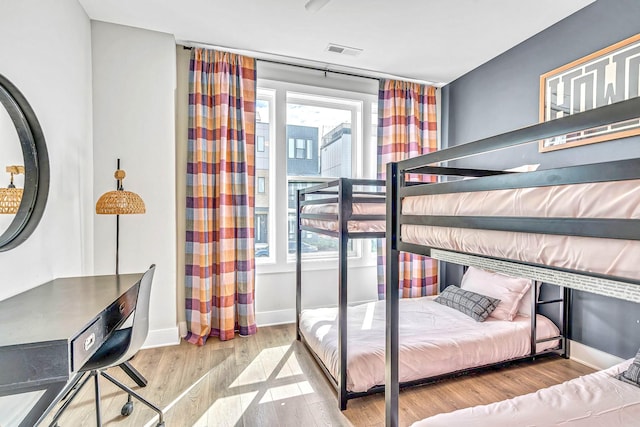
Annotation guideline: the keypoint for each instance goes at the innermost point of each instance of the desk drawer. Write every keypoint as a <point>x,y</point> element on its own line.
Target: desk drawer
<point>85,344</point>
<point>122,308</point>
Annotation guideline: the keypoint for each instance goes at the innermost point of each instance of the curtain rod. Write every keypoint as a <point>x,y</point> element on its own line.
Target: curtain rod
<point>326,70</point>
<point>191,45</point>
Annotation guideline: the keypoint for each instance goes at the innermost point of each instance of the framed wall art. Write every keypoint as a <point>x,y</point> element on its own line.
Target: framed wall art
<point>609,75</point>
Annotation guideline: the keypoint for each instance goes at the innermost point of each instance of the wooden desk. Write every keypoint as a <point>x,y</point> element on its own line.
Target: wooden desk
<point>47,333</point>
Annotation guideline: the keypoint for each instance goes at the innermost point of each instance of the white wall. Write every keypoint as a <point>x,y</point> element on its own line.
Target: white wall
<point>134,119</point>
<point>45,50</point>
<point>276,292</point>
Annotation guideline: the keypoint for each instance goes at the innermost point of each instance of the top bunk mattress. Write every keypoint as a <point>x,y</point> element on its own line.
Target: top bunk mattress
<point>434,340</point>
<point>614,257</point>
<point>597,399</point>
<point>352,225</point>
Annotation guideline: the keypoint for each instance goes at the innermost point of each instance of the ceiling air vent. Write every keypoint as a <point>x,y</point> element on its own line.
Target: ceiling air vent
<point>343,50</point>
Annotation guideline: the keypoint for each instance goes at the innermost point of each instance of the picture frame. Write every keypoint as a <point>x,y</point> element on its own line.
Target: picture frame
<point>609,75</point>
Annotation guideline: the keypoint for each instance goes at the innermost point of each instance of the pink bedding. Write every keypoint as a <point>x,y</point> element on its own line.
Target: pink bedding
<point>596,399</point>
<point>596,200</point>
<point>353,226</point>
<point>434,340</point>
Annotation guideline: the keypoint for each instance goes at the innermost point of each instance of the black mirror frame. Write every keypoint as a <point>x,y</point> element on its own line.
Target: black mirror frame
<point>36,164</point>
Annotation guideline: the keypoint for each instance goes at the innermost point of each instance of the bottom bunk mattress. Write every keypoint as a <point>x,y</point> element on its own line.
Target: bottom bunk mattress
<point>434,340</point>
<point>598,399</point>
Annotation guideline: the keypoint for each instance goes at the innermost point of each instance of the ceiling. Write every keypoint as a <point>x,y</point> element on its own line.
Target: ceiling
<point>429,40</point>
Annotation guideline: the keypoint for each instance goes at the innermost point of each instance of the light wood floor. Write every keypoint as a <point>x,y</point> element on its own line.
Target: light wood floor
<point>269,379</point>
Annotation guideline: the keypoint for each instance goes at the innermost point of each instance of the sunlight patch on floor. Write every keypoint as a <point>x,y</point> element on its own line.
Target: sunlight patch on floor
<point>184,393</point>
<point>262,366</point>
<point>226,410</point>
<point>291,368</point>
<point>287,391</point>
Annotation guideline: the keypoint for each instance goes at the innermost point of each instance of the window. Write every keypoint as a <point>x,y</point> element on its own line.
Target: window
<point>264,197</point>
<point>292,148</point>
<point>300,149</point>
<point>328,121</point>
<point>261,228</point>
<point>319,137</point>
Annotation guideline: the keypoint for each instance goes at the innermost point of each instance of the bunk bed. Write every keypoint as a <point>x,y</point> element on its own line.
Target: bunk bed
<point>345,209</point>
<point>447,220</point>
<point>437,340</point>
<point>597,399</point>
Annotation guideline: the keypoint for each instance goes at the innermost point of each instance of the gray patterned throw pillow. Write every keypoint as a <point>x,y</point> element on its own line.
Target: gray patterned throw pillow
<point>632,374</point>
<point>470,303</point>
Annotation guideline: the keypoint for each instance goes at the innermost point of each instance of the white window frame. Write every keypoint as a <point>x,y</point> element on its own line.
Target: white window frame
<point>269,95</point>
<point>279,260</point>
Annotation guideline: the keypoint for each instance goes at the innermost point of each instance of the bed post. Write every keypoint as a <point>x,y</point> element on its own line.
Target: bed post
<point>566,316</point>
<point>345,191</point>
<point>534,312</point>
<point>298,264</point>
<point>392,386</point>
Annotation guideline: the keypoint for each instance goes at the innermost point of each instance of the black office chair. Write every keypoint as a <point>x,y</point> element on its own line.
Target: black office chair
<point>121,346</point>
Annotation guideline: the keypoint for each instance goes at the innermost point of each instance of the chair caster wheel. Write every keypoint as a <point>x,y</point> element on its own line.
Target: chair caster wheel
<point>127,409</point>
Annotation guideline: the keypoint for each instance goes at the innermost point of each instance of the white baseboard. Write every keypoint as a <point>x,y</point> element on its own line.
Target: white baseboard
<point>276,317</point>
<point>162,338</point>
<point>592,357</point>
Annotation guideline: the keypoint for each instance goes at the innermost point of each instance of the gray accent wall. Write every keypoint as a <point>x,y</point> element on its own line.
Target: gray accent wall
<point>502,95</point>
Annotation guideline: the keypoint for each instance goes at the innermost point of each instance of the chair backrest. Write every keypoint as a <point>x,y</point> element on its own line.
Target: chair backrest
<point>140,326</point>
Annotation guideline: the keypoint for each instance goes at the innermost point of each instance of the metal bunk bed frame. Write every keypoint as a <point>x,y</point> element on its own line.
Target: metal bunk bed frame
<point>345,195</point>
<point>398,188</point>
<point>338,191</point>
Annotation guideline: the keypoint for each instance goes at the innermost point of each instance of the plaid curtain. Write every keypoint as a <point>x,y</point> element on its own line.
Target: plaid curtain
<point>220,264</point>
<point>406,128</point>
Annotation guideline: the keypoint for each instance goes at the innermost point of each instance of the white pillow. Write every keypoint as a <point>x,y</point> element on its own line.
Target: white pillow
<point>525,303</point>
<point>509,290</point>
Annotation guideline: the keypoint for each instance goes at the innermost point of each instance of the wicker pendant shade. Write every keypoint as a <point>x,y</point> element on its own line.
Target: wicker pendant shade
<point>120,202</point>
<point>11,197</point>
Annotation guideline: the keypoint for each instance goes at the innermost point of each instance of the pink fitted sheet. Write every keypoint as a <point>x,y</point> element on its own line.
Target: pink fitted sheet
<point>353,225</point>
<point>614,257</point>
<point>434,340</point>
<point>597,399</point>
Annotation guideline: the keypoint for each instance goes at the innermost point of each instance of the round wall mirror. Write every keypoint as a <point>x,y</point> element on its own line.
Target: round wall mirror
<point>24,168</point>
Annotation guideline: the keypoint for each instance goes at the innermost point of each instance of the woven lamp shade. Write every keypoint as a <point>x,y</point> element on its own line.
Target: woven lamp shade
<point>10,199</point>
<point>120,202</point>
